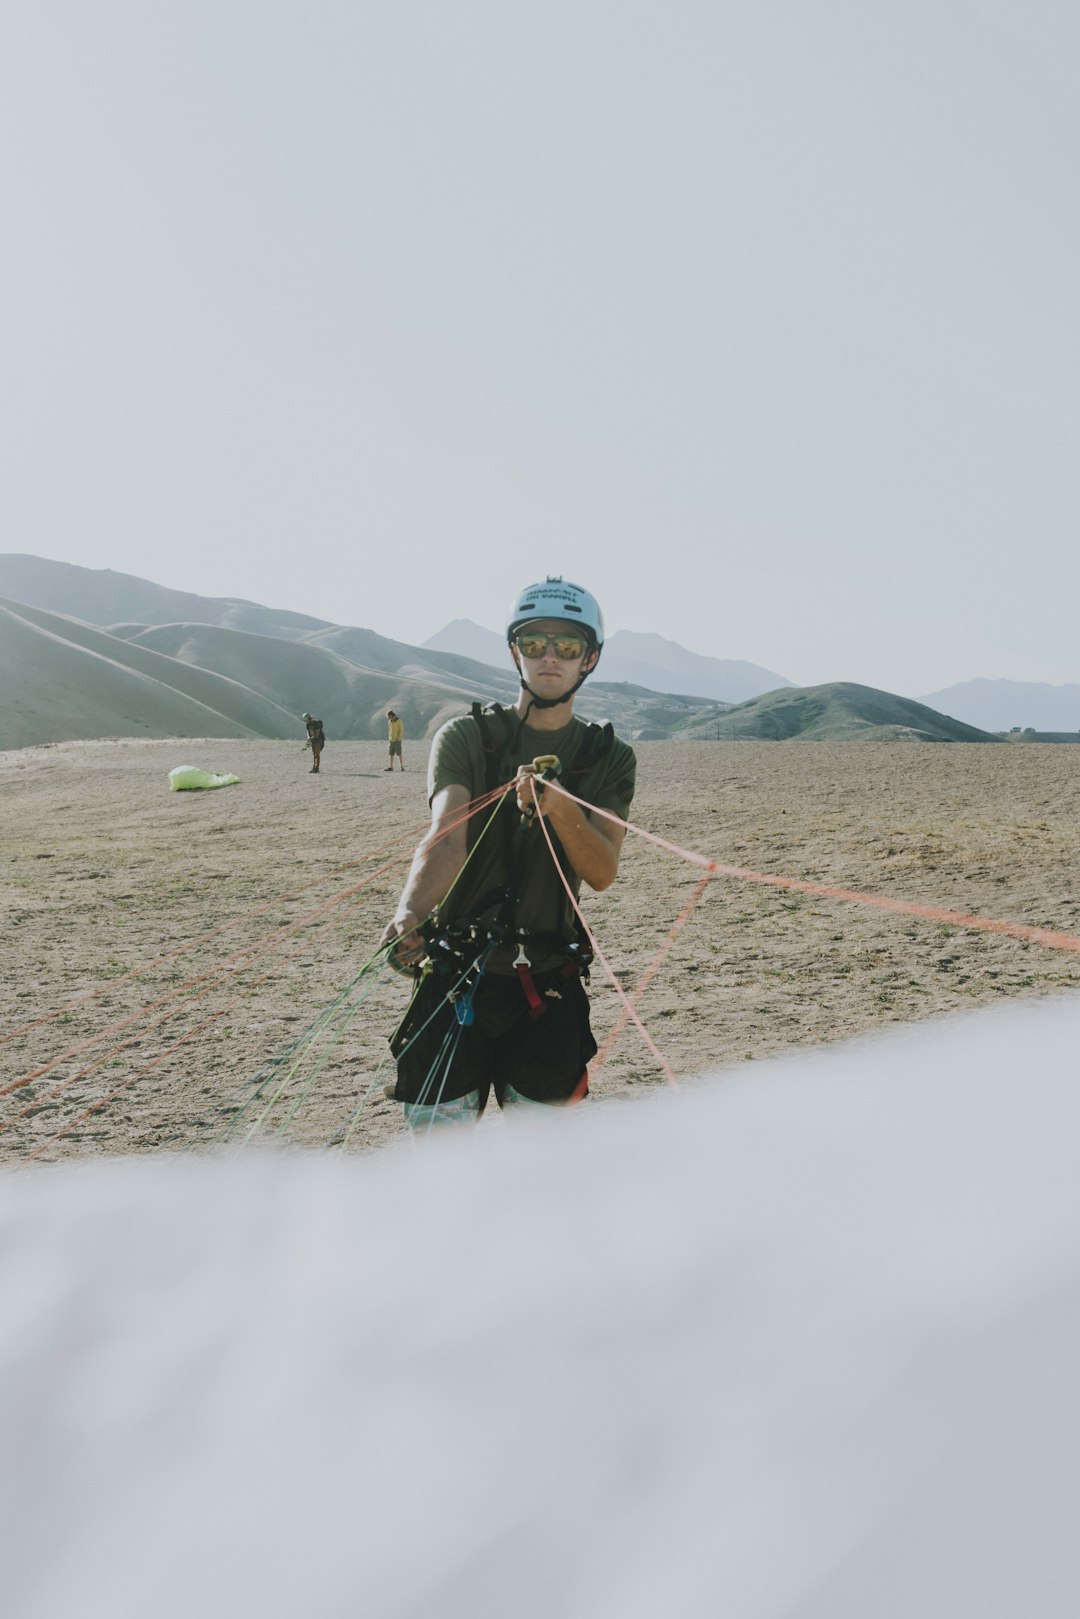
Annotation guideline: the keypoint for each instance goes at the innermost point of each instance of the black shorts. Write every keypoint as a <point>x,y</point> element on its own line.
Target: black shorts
<point>544,1058</point>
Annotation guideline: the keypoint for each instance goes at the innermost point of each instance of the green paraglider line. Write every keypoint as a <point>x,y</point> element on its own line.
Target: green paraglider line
<point>251,1089</point>
<point>342,1024</point>
<point>376,964</point>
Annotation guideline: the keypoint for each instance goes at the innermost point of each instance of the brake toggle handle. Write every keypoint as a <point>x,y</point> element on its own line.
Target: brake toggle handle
<point>547,766</point>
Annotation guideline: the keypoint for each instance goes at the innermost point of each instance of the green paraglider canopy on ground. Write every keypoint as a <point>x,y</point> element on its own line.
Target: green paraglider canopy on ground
<point>185,778</point>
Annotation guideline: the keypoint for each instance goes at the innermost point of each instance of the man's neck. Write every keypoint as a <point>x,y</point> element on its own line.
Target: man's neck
<point>543,719</point>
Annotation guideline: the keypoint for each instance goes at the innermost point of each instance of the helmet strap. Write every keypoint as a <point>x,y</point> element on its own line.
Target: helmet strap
<point>536,701</point>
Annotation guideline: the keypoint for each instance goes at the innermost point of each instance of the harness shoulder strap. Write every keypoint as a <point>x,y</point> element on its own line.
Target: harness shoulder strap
<point>494,733</point>
<point>598,740</point>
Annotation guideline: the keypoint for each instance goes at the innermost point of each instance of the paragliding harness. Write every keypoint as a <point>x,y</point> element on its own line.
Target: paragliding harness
<point>597,741</point>
<point>457,946</point>
<point>453,946</point>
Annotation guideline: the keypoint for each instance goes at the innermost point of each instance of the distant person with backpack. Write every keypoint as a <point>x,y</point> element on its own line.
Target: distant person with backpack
<point>485,920</point>
<point>396,733</point>
<point>316,741</point>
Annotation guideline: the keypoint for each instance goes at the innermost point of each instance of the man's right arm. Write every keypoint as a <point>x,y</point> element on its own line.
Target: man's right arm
<point>439,858</point>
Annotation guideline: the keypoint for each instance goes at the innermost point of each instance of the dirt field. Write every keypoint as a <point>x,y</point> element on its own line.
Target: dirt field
<point>103,870</point>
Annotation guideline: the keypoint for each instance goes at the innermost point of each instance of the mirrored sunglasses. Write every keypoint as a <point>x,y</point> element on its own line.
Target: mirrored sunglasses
<point>565,647</point>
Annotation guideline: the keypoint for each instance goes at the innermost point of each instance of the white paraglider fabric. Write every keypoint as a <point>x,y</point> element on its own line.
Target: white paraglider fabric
<point>800,1343</point>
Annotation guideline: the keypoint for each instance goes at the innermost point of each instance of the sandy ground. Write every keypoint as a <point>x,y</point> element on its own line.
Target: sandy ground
<point>103,870</point>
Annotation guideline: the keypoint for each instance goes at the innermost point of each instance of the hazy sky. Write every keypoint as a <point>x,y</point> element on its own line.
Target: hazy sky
<point>759,318</point>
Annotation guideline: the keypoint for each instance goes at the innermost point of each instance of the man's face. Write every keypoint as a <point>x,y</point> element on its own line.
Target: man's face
<point>548,674</point>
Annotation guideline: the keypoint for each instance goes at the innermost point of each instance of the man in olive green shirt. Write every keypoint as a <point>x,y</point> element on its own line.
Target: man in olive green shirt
<point>500,1003</point>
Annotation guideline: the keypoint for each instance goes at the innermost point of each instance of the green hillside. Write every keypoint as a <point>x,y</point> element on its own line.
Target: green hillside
<point>838,712</point>
<point>352,698</point>
<point>63,679</point>
<point>447,669</point>
<point>349,699</point>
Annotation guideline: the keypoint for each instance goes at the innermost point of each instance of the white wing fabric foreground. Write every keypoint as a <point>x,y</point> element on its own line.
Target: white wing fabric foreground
<point>187,779</point>
<point>802,1342</point>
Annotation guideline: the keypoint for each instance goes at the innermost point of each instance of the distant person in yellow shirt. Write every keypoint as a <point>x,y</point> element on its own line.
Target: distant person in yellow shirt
<point>396,733</point>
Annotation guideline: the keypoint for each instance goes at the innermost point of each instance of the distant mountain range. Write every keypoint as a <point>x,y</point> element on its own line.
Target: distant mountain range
<point>102,597</point>
<point>88,653</point>
<point>634,658</point>
<point>234,668</point>
<point>471,640</point>
<point>1001,705</point>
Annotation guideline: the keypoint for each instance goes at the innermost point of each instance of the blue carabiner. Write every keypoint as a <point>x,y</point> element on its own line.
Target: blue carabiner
<point>463,999</point>
<point>463,1008</point>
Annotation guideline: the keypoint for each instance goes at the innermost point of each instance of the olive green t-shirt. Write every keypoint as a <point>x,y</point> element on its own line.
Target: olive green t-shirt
<point>509,852</point>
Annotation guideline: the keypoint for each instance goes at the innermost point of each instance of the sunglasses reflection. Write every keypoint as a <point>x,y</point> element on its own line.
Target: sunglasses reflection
<point>565,647</point>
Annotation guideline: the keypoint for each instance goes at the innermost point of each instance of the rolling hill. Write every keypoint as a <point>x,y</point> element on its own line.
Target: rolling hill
<point>464,657</point>
<point>126,605</point>
<point>838,712</point>
<point>374,651</point>
<point>232,668</point>
<point>348,697</point>
<point>65,680</point>
<point>247,669</point>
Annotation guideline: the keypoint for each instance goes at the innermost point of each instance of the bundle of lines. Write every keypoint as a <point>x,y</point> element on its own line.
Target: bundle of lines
<point>57,1103</point>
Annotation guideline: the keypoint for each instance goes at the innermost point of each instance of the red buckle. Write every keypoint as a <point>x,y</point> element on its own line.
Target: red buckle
<point>537,1008</point>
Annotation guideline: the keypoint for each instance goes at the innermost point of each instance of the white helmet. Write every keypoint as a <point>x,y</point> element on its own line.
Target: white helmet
<point>557,598</point>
